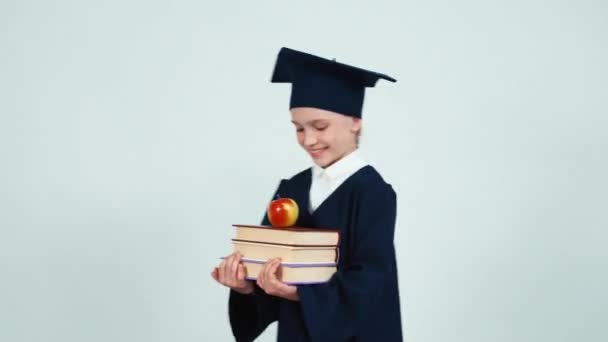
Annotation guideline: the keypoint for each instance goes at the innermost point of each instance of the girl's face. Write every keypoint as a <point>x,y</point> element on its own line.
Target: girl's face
<point>326,136</point>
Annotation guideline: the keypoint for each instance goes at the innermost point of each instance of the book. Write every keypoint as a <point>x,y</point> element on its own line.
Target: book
<point>308,255</point>
<point>293,272</point>
<point>293,236</point>
<point>287,253</point>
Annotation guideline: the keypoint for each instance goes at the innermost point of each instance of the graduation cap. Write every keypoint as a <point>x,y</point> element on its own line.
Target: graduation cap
<point>322,83</point>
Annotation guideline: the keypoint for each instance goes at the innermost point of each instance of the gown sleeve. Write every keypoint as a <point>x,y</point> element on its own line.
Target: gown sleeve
<point>251,314</point>
<point>333,311</point>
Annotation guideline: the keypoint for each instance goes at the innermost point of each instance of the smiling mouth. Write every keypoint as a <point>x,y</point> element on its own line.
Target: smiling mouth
<point>317,152</point>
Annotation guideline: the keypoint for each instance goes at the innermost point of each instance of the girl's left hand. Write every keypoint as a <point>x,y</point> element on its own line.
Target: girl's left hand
<point>270,283</point>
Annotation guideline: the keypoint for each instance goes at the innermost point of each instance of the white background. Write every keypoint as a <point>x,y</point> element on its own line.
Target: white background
<point>134,133</point>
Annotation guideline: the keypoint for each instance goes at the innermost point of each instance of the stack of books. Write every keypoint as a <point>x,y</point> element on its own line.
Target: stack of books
<point>308,256</point>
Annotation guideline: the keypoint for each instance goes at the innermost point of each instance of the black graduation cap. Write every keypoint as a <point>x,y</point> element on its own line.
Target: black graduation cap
<point>322,83</point>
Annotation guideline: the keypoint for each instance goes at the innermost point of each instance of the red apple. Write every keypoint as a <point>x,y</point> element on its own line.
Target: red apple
<point>283,212</point>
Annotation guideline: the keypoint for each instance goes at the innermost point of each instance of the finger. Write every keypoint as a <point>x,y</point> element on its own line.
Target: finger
<point>240,273</point>
<point>215,274</point>
<point>235,265</point>
<point>272,277</point>
<point>264,271</point>
<point>221,273</point>
<point>230,274</point>
<point>269,277</point>
<point>272,269</point>
<point>268,272</point>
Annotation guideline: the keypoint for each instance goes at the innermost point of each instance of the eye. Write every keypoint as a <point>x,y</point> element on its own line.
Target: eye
<point>299,130</point>
<point>321,128</point>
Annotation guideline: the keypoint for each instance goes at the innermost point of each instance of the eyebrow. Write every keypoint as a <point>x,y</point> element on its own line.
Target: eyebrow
<point>311,122</point>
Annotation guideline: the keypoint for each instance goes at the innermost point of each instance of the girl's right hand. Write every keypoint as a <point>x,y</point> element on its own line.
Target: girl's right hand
<point>231,273</point>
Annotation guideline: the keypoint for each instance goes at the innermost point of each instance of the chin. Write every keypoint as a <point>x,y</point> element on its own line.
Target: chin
<point>325,162</point>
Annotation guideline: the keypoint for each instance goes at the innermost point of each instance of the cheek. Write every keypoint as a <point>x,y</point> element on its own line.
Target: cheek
<point>328,136</point>
<point>300,137</point>
<point>335,138</point>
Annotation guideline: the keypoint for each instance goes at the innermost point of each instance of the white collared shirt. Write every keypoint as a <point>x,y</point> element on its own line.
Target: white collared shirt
<point>326,181</point>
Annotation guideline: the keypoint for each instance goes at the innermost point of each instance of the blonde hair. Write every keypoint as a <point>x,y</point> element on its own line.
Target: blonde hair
<point>358,136</point>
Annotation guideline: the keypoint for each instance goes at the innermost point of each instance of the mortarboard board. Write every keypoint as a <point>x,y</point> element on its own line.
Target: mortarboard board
<point>322,83</point>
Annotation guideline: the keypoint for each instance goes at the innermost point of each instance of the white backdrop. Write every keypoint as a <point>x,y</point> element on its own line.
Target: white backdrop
<point>134,133</point>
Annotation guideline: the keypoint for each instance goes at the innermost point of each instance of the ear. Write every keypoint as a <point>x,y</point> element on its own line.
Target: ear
<point>355,125</point>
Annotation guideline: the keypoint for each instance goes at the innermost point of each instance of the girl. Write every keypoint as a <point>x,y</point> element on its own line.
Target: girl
<point>361,300</point>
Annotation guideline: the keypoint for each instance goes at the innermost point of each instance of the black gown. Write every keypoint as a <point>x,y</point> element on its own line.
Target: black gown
<point>361,300</point>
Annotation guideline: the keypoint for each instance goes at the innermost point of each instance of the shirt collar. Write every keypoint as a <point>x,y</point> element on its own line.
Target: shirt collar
<point>345,166</point>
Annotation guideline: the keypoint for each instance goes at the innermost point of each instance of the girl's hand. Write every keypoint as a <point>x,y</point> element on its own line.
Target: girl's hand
<point>231,273</point>
<point>269,282</point>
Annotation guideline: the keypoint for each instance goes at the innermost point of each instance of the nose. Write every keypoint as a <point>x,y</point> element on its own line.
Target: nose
<point>309,138</point>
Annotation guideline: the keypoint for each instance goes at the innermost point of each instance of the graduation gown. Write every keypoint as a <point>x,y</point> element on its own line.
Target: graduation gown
<point>361,300</point>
